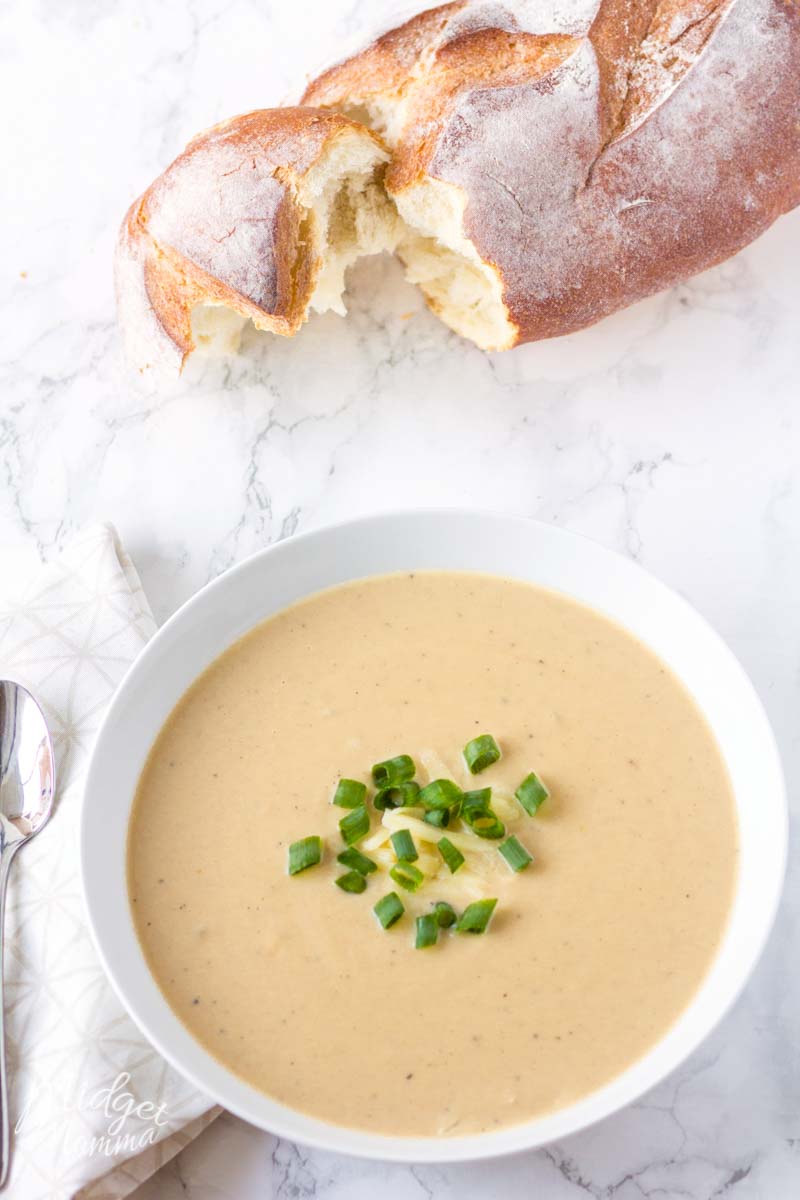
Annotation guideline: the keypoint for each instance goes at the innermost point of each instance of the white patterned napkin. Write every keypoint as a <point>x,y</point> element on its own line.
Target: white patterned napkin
<point>94,1110</point>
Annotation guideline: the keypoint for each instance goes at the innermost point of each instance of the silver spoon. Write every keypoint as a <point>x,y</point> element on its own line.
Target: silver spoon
<point>27,784</point>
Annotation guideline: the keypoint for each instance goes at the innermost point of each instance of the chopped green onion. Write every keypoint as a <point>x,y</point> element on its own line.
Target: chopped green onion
<point>403,845</point>
<point>440,793</point>
<point>399,795</point>
<point>515,854</point>
<point>407,875</point>
<point>427,931</point>
<point>356,861</point>
<point>303,854</point>
<point>409,793</point>
<point>349,793</point>
<point>355,825</point>
<point>477,802</point>
<point>451,854</point>
<point>488,826</point>
<point>476,916</point>
<point>389,909</point>
<point>445,914</point>
<point>477,813</point>
<point>353,881</point>
<point>531,793</point>
<point>393,770</point>
<point>481,752</point>
<point>438,817</point>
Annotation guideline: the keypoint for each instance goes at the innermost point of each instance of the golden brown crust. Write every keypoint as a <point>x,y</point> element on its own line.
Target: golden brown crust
<point>384,67</point>
<point>485,60</point>
<point>628,146</point>
<point>222,225</point>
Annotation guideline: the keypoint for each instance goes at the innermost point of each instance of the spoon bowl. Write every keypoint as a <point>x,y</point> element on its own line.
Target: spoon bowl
<point>27,787</point>
<point>27,768</point>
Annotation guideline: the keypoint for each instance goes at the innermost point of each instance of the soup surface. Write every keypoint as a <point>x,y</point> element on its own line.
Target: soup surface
<point>594,949</point>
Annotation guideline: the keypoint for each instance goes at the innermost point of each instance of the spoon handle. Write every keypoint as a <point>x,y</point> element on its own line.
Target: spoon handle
<point>6,855</point>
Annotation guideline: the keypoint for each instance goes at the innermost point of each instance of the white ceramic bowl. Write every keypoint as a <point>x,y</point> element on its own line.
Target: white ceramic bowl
<point>511,547</point>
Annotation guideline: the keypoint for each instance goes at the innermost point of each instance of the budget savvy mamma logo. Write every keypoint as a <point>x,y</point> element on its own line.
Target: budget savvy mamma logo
<point>131,1125</point>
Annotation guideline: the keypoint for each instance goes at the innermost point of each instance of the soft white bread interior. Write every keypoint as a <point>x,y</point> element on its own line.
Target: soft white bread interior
<point>428,235</point>
<point>438,256</point>
<point>462,289</point>
<point>351,215</point>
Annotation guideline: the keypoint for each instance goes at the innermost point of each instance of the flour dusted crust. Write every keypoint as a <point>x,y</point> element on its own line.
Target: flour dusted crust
<point>583,154</point>
<point>237,228</point>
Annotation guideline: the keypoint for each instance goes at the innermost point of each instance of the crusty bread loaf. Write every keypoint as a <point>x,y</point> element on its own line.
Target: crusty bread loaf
<point>258,218</point>
<point>535,164</point>
<point>583,153</point>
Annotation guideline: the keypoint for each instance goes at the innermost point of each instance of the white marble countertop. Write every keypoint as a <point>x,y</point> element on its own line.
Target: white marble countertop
<point>670,431</point>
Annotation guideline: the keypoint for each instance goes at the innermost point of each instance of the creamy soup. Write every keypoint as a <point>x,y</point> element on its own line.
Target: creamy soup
<point>593,950</point>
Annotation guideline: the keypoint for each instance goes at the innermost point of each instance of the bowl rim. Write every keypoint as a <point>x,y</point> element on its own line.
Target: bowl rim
<point>223,1086</point>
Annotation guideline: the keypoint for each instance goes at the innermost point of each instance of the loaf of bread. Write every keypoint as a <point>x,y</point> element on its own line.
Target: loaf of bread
<point>535,164</point>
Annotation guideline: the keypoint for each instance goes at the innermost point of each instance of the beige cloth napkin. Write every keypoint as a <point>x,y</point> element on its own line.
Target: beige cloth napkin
<point>94,1109</point>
